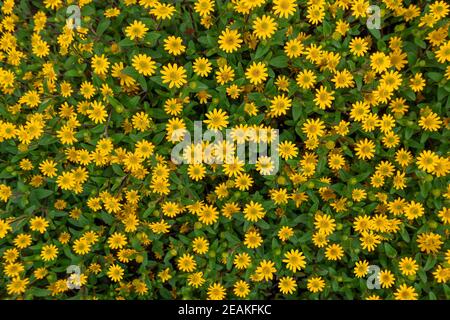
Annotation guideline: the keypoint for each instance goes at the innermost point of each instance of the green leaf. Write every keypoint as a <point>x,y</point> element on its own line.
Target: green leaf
<point>420,42</point>
<point>263,224</point>
<point>261,51</point>
<point>72,73</point>
<point>158,114</point>
<point>422,276</point>
<point>405,235</point>
<point>107,218</point>
<point>279,62</point>
<point>375,32</point>
<point>232,238</point>
<point>42,193</point>
<point>102,26</point>
<point>152,36</point>
<point>436,76</point>
<point>410,95</point>
<point>431,261</point>
<point>126,42</point>
<point>390,250</point>
<point>296,110</point>
<point>142,82</point>
<point>327,28</point>
<point>39,292</point>
<point>158,138</point>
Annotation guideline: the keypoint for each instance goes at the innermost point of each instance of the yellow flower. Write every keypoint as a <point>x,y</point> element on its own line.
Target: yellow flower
<point>174,45</point>
<point>324,223</point>
<point>287,285</point>
<point>196,279</point>
<point>186,263</point>
<point>361,269</point>
<point>49,252</point>
<point>343,79</point>
<point>443,53</point>
<point>5,192</point>
<point>256,73</point>
<point>241,289</point>
<point>216,292</point>
<point>216,119</point>
<point>417,83</point>
<point>306,79</point>
<point>204,7</point>
<point>117,240</point>
<point>141,121</point>
<point>264,27</point>
<point>315,14</point>
<point>315,284</point>
<point>144,64</point>
<point>280,105</point>
<point>4,228</point>
<point>285,233</point>
<point>100,64</point>
<point>336,161</point>
<point>427,160</point>
<point>66,181</point>
<point>17,286</point>
<point>208,215</point>
<point>405,292</point>
<point>414,210</point>
<point>136,30</point>
<point>324,98</point>
<point>254,211</point>
<point>441,274</point>
<point>293,48</point>
<point>266,269</point>
<point>230,40</point>
<point>200,245</point>
<point>429,242</point>
<point>174,75</point>
<point>163,11</point>
<point>224,74</point>
<point>365,149</point>
<point>39,224</point>
<point>334,252</point>
<point>369,240</point>
<point>386,278</point>
<point>165,275</point>
<point>97,113</point>
<point>242,260</point>
<point>81,247</point>
<point>252,239</point>
<point>313,128</point>
<point>202,67</point>
<point>22,241</point>
<point>295,260</point>
<point>408,266</point>
<point>379,62</point>
<point>115,272</point>
<point>430,122</point>
<point>444,215</point>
